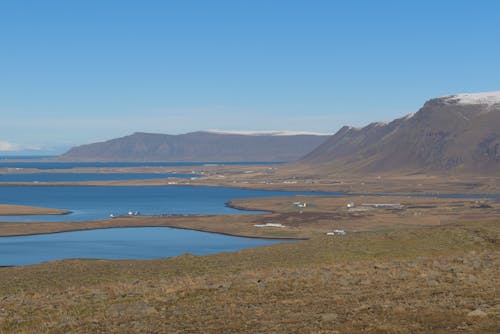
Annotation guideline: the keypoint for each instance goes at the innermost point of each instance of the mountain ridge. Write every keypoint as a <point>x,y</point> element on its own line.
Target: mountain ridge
<point>453,133</point>
<point>197,146</point>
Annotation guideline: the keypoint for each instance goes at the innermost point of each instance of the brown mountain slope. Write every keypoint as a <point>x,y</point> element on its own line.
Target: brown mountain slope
<point>459,133</point>
<point>198,146</point>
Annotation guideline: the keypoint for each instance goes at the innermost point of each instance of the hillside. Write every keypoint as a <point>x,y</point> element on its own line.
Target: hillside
<point>442,279</point>
<point>459,133</point>
<point>199,146</point>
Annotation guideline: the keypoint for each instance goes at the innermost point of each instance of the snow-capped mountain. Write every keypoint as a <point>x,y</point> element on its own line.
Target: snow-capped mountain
<point>269,133</point>
<point>486,98</point>
<point>459,133</point>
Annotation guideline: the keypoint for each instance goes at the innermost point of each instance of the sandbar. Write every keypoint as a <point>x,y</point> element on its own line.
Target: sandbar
<point>23,210</point>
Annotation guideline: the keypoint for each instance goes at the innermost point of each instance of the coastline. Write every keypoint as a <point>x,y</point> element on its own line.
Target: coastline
<point>231,225</point>
<point>25,210</point>
<point>322,214</point>
<point>166,226</point>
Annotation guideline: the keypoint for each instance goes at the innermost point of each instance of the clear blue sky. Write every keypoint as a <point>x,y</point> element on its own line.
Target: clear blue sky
<point>73,72</point>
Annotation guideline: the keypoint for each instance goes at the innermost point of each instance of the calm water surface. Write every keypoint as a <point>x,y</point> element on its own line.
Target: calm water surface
<point>26,163</point>
<point>75,177</point>
<point>92,203</point>
<point>118,243</point>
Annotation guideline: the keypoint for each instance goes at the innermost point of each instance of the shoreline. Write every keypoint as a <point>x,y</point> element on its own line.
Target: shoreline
<point>280,177</point>
<point>142,226</point>
<point>27,210</point>
<point>231,225</point>
<point>321,189</point>
<point>323,214</point>
<point>150,226</point>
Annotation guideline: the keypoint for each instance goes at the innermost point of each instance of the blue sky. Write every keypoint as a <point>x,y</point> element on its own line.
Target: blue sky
<point>74,72</point>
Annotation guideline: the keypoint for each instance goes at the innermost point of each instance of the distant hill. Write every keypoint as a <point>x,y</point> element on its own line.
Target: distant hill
<point>459,133</point>
<point>200,146</point>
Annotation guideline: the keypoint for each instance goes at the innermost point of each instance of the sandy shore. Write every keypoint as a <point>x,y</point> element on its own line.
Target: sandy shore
<point>22,210</point>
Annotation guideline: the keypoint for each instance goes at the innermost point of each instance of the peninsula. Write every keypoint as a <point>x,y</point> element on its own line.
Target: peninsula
<point>23,210</point>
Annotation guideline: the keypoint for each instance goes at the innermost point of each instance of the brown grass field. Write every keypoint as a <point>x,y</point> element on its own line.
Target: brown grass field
<point>440,279</point>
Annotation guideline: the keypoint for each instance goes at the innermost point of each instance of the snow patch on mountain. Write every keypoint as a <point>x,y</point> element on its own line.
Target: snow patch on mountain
<point>269,133</point>
<point>486,98</point>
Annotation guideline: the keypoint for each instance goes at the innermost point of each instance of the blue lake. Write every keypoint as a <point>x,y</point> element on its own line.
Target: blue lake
<point>118,243</point>
<point>25,157</point>
<point>92,203</point>
<point>75,177</point>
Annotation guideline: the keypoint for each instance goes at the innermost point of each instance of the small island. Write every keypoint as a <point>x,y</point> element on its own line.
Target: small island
<point>23,210</point>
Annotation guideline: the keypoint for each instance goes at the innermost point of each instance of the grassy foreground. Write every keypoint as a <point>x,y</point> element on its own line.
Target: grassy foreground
<point>441,279</point>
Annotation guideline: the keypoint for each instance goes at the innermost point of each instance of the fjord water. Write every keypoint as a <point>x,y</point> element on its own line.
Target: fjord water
<point>77,177</point>
<point>43,165</point>
<point>92,203</point>
<point>119,243</point>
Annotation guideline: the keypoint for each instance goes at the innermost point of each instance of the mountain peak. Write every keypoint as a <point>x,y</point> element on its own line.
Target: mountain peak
<point>457,132</point>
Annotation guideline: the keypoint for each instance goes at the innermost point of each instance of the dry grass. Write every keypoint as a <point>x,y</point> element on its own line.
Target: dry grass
<point>425,280</point>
